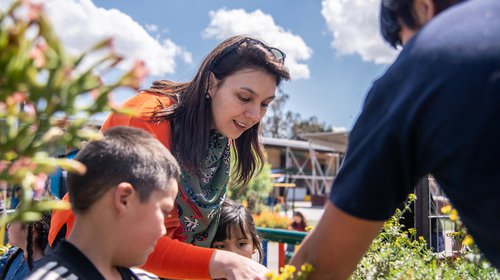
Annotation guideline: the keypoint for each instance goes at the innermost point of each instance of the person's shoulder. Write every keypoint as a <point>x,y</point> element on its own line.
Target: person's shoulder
<point>142,274</point>
<point>148,100</point>
<point>458,27</point>
<point>52,267</point>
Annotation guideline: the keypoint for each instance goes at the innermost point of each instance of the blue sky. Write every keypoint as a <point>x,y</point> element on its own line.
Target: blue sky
<point>334,49</point>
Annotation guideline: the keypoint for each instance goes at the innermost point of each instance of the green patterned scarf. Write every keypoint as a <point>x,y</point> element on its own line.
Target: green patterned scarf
<point>199,200</point>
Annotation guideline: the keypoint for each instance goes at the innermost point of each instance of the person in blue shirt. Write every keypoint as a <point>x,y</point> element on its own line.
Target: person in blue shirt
<point>30,240</point>
<point>435,111</point>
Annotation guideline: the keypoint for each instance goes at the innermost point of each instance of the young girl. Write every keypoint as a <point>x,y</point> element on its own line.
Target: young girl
<point>31,240</point>
<point>299,222</point>
<point>236,232</point>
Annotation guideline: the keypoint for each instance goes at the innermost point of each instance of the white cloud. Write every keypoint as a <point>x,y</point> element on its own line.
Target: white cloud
<point>356,29</point>
<point>225,23</point>
<point>80,24</point>
<point>152,28</point>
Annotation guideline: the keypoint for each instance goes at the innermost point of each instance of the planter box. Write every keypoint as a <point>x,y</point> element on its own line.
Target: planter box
<point>318,199</point>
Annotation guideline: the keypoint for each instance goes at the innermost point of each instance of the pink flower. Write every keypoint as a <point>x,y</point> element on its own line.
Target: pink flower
<point>34,11</point>
<point>37,53</point>
<point>16,98</point>
<point>140,72</point>
<point>40,184</point>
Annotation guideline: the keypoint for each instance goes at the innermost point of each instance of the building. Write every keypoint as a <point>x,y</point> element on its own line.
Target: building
<point>309,167</point>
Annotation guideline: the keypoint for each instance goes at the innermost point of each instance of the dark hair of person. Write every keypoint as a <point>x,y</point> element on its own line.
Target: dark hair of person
<point>236,219</point>
<point>191,112</point>
<point>125,154</point>
<point>303,222</point>
<point>392,11</point>
<point>38,233</point>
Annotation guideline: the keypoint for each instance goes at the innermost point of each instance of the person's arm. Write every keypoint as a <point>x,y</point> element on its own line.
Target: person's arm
<point>174,259</point>
<point>336,244</point>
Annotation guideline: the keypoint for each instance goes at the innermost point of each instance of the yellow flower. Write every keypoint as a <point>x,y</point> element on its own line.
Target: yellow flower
<point>309,228</point>
<point>468,240</point>
<point>454,215</point>
<point>446,209</point>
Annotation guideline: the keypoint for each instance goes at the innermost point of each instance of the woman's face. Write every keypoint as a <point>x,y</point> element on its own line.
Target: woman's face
<point>18,234</point>
<point>241,100</point>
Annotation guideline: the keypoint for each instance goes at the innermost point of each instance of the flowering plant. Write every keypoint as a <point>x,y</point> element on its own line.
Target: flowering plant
<point>289,272</point>
<point>41,89</point>
<point>398,254</point>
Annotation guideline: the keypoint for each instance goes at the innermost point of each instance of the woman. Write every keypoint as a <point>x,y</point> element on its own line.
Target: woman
<point>198,121</point>
<point>31,240</point>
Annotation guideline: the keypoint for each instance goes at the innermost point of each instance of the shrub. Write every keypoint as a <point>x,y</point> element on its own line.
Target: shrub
<point>40,88</point>
<point>398,254</point>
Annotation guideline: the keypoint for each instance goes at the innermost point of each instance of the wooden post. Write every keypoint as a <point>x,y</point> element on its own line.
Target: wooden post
<point>422,209</point>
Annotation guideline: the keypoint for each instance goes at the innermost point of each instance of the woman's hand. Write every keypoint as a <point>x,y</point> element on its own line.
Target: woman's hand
<point>231,266</point>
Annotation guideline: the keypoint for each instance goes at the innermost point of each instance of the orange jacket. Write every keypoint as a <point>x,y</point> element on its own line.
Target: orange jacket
<point>171,258</point>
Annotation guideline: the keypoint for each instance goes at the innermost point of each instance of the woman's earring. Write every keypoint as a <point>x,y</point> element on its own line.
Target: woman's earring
<point>207,97</point>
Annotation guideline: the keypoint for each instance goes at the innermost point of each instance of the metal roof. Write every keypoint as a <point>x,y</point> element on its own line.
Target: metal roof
<point>295,144</point>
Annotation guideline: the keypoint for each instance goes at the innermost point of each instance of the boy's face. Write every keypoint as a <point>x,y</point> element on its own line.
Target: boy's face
<point>145,225</point>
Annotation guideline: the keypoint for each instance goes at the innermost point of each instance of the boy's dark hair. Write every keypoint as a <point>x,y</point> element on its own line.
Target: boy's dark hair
<point>125,154</point>
<point>236,219</point>
<point>391,11</point>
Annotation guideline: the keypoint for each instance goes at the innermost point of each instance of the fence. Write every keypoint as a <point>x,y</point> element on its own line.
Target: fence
<point>282,237</point>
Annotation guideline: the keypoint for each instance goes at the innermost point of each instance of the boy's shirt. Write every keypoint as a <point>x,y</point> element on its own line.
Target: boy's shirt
<point>68,262</point>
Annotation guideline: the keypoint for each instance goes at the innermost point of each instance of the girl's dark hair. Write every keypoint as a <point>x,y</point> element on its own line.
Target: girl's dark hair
<point>40,229</point>
<point>191,114</point>
<point>303,222</point>
<point>235,219</point>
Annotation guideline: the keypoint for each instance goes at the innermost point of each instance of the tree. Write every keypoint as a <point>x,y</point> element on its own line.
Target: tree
<point>288,125</point>
<point>310,125</point>
<point>39,88</point>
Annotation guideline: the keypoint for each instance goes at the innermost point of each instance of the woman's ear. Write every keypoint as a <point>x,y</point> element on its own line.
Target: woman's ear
<point>122,195</point>
<point>213,83</point>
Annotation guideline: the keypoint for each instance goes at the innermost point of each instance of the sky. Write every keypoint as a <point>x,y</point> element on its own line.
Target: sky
<point>334,48</point>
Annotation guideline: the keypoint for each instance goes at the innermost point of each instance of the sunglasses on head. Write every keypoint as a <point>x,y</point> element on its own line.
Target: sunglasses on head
<point>277,53</point>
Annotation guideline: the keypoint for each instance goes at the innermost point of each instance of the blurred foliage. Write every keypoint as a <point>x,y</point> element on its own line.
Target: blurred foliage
<point>271,219</point>
<point>40,86</point>
<point>257,190</point>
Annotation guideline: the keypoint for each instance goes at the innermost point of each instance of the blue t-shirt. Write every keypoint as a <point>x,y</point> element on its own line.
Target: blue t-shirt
<point>19,269</point>
<point>436,110</point>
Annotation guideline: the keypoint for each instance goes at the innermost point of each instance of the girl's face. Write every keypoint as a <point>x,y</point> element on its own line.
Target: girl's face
<point>241,100</point>
<point>239,244</point>
<point>297,219</point>
<point>18,234</point>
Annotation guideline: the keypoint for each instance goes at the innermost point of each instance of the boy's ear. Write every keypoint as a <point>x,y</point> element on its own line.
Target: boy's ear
<point>122,195</point>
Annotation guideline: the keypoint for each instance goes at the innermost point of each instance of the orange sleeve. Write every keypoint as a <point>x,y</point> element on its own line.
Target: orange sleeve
<point>174,259</point>
<point>171,258</point>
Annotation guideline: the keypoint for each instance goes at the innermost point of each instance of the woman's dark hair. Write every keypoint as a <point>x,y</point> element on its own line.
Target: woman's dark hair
<point>236,219</point>
<point>191,112</point>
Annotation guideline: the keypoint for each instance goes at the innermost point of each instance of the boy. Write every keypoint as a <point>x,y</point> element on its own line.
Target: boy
<point>119,203</point>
